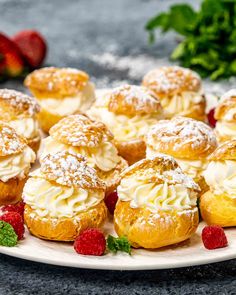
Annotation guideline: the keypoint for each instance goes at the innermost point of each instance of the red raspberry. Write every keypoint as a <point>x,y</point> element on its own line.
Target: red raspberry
<point>211,119</point>
<point>16,222</point>
<point>90,242</point>
<point>19,208</point>
<point>110,201</point>
<point>213,237</point>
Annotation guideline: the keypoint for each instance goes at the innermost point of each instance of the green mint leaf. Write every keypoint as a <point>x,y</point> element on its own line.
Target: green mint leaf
<point>118,244</point>
<point>182,18</point>
<point>179,51</point>
<point>8,236</point>
<point>161,20</point>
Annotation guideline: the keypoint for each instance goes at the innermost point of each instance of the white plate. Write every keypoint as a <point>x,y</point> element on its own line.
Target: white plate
<point>191,252</point>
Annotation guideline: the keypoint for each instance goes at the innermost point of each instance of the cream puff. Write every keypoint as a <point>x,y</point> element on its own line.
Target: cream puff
<point>15,161</point>
<point>63,197</point>
<point>179,90</point>
<point>81,135</point>
<point>128,111</point>
<point>157,203</point>
<point>60,92</point>
<point>189,141</point>
<point>218,205</point>
<point>225,114</point>
<point>20,112</point>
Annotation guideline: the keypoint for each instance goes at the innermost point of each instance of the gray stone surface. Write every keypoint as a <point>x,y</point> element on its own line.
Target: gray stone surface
<point>106,38</point>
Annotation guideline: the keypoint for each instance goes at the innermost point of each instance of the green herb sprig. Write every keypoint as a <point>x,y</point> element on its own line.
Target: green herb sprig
<point>8,237</point>
<point>118,244</point>
<point>209,36</point>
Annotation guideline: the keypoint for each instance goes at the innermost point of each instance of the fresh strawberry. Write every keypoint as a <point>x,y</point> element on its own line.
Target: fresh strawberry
<point>32,46</point>
<point>12,61</point>
<point>211,118</point>
<point>2,64</point>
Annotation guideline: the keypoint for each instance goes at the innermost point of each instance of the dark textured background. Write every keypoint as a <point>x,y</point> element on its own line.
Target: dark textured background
<point>106,38</point>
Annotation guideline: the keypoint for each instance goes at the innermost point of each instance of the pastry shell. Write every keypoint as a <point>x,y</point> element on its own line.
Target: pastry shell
<point>154,230</point>
<point>218,209</point>
<point>171,80</point>
<point>64,229</point>
<point>11,190</point>
<point>182,138</point>
<point>56,82</point>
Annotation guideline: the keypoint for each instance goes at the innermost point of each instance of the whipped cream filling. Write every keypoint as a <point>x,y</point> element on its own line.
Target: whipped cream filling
<point>26,127</point>
<point>155,197</point>
<point>105,156</point>
<point>123,127</point>
<point>193,168</point>
<point>17,165</point>
<point>70,104</point>
<point>221,177</point>
<point>181,103</point>
<point>51,199</point>
<point>227,129</point>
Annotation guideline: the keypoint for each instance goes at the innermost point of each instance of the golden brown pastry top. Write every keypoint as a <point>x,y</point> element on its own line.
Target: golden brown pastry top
<point>131,100</point>
<point>171,80</point>
<point>79,130</point>
<point>159,169</point>
<point>58,82</point>
<point>14,103</point>
<point>182,138</point>
<point>71,170</point>
<point>226,108</point>
<point>10,142</point>
<point>226,151</point>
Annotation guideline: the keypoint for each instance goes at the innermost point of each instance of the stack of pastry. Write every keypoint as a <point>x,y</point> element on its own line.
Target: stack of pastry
<point>60,92</point>
<point>179,91</point>
<point>225,114</point>
<point>20,112</point>
<point>15,161</point>
<point>189,141</point>
<point>128,111</point>
<point>81,135</point>
<point>63,197</point>
<point>157,203</point>
<point>218,205</point>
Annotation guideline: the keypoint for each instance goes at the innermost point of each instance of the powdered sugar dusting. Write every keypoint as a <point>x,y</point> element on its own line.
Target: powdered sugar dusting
<point>133,100</point>
<point>70,169</point>
<point>159,169</point>
<point>79,130</point>
<point>181,131</point>
<point>169,79</point>
<point>20,101</point>
<point>10,142</point>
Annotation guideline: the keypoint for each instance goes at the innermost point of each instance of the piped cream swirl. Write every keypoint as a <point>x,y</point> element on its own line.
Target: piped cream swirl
<point>155,197</point>
<point>51,199</point>
<point>221,177</point>
<point>105,156</point>
<point>124,127</point>
<point>26,127</point>
<point>17,165</point>
<point>226,129</point>
<point>181,103</point>
<point>193,168</point>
